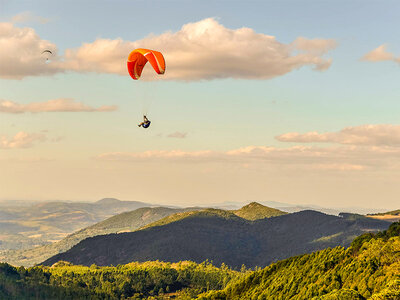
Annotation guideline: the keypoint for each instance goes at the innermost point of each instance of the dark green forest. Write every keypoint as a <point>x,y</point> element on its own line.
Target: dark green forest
<point>368,269</point>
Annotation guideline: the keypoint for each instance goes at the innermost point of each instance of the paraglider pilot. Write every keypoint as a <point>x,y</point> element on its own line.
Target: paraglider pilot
<point>145,123</point>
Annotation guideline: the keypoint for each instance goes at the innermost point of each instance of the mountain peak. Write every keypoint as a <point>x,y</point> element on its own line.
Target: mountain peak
<point>253,205</point>
<point>254,211</point>
<point>108,201</point>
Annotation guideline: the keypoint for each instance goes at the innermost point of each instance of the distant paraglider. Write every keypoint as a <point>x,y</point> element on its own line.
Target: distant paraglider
<point>47,54</point>
<point>137,59</point>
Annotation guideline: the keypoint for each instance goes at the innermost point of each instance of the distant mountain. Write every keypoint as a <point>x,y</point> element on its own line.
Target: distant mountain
<point>124,222</point>
<point>223,237</point>
<point>45,222</point>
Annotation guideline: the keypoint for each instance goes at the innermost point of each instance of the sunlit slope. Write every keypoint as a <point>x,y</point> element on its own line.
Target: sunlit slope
<point>251,212</point>
<point>369,270</point>
<point>392,216</point>
<point>128,221</point>
<point>222,237</point>
<point>393,212</point>
<point>255,211</point>
<point>202,213</point>
<point>149,280</point>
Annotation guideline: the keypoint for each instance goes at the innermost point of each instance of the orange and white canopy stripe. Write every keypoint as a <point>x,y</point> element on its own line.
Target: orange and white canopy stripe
<point>138,58</point>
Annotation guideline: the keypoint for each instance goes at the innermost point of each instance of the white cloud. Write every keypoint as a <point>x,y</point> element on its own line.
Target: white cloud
<point>178,135</point>
<point>21,140</point>
<point>205,50</point>
<point>343,158</point>
<point>380,54</point>
<point>21,53</point>
<point>375,135</point>
<point>56,105</point>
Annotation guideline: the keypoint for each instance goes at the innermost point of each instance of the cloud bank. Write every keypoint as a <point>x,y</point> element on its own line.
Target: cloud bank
<point>374,135</point>
<point>56,105</point>
<point>336,158</point>
<point>360,148</point>
<point>200,50</point>
<point>206,50</point>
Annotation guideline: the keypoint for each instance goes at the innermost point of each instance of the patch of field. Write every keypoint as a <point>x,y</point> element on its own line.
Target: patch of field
<point>35,236</point>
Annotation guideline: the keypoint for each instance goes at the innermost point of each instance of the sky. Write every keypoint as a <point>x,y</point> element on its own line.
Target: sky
<point>290,101</point>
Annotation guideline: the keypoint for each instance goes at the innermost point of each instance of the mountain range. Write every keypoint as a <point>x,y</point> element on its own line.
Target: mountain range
<point>124,222</point>
<point>222,237</point>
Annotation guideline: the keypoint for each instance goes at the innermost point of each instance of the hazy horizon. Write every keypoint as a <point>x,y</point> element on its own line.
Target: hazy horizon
<point>222,204</point>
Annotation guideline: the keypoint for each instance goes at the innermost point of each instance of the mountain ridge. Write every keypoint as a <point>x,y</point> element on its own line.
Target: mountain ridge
<point>233,240</point>
<point>125,222</point>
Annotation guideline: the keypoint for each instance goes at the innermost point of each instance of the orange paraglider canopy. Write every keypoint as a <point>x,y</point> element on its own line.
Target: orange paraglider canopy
<point>138,58</point>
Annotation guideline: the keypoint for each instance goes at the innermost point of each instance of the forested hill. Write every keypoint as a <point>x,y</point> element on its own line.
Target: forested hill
<point>127,222</point>
<point>224,238</point>
<point>370,269</point>
<point>251,212</point>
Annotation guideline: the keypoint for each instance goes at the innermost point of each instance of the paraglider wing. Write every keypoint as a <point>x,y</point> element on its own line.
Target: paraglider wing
<point>138,58</point>
<point>47,54</point>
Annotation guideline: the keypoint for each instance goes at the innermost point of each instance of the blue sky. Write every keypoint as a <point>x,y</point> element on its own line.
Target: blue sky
<point>214,115</point>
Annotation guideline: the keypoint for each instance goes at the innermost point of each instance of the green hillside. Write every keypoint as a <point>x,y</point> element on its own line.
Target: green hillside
<point>207,212</point>
<point>256,211</point>
<point>128,221</point>
<point>184,280</point>
<point>251,212</point>
<point>369,269</point>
